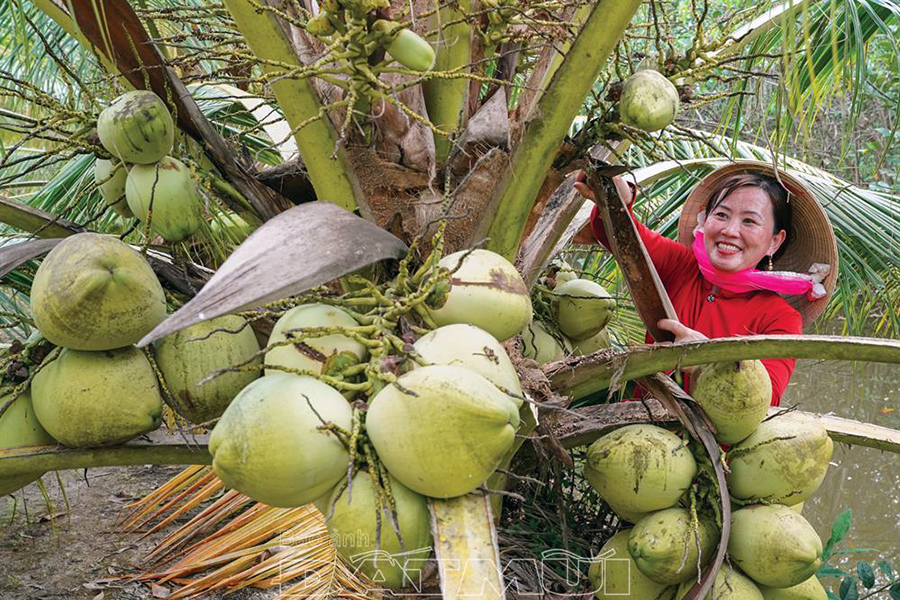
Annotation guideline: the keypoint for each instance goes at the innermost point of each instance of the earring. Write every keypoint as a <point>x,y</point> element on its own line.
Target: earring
<point>770,262</point>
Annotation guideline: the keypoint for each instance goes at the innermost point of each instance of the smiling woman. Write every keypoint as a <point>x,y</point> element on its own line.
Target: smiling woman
<point>745,222</point>
<point>740,217</point>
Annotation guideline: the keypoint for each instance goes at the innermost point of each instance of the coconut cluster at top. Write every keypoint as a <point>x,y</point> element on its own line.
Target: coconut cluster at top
<point>142,180</point>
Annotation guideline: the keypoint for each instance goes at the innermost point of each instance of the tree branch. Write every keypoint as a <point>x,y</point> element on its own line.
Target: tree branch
<point>579,376</point>
<point>549,123</point>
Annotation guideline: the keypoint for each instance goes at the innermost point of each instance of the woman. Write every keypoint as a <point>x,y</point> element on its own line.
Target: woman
<point>743,239</point>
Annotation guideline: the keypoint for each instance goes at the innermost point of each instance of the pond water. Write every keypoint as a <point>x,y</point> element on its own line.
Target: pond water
<point>866,480</point>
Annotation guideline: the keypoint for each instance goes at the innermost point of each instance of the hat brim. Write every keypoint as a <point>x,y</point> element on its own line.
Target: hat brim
<point>812,237</point>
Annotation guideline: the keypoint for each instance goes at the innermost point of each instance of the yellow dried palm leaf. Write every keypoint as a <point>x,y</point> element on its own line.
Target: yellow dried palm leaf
<point>234,543</point>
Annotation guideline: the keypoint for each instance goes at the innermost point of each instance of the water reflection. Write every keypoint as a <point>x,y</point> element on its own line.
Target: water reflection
<point>866,480</point>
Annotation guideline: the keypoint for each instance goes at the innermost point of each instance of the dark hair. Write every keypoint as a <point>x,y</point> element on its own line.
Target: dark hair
<point>778,195</point>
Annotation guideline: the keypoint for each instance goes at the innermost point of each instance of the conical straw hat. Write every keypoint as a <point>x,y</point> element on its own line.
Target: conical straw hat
<point>812,238</point>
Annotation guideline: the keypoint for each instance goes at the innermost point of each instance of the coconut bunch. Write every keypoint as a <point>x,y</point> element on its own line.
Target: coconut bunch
<point>93,297</point>
<point>377,399</point>
<point>572,314</point>
<point>664,485</point>
<point>141,179</point>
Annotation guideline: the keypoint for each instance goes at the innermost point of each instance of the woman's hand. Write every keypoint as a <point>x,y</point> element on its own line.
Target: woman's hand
<point>626,189</point>
<point>682,333</point>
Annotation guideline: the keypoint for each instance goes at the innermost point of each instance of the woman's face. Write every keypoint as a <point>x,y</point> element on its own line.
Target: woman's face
<point>738,232</point>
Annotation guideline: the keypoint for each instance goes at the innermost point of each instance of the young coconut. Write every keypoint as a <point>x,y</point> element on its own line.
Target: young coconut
<point>19,427</point>
<point>442,430</point>
<point>137,128</point>
<point>735,396</point>
<point>640,468</point>
<point>317,353</point>
<point>600,341</point>
<point>354,532</point>
<point>783,461</point>
<point>774,545</point>
<point>188,356</point>
<point>86,399</point>
<point>729,585</point>
<point>405,46</point>
<point>810,589</point>
<point>268,444</point>
<point>582,308</point>
<point>615,576</point>
<point>668,548</point>
<point>486,291</point>
<point>93,292</point>
<point>649,101</point>
<point>165,193</point>
<point>539,345</point>
<point>110,179</point>
<point>474,348</point>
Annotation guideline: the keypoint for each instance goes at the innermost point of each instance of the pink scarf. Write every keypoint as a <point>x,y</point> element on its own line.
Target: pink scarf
<point>782,282</point>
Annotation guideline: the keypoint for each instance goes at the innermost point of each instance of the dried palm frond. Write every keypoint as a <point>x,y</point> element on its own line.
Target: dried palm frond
<point>235,543</point>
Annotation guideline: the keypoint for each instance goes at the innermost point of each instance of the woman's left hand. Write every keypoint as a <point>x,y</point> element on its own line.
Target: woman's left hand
<point>682,333</point>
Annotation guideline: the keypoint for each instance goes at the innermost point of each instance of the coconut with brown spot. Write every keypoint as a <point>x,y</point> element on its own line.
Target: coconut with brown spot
<point>189,356</point>
<point>137,127</point>
<point>486,291</point>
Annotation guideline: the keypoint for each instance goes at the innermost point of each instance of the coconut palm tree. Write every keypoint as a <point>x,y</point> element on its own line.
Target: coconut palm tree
<point>282,104</point>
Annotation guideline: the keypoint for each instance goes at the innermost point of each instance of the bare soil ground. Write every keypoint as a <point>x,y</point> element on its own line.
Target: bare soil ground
<point>52,553</point>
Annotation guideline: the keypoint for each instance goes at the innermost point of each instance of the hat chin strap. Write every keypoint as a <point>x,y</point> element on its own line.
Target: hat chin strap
<point>782,282</point>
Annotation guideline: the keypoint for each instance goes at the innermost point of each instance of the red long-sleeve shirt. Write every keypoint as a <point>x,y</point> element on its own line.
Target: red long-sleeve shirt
<point>720,314</point>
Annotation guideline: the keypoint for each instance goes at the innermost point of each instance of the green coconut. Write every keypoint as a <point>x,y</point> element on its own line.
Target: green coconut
<point>667,548</point>
<point>188,356</point>
<point>86,399</point>
<point>615,576</point>
<point>774,545</point>
<point>353,530</point>
<point>411,51</point>
<point>590,345</point>
<point>137,128</point>
<point>19,427</point>
<point>486,291</point>
<point>783,461</point>
<point>165,193</point>
<point>539,345</point>
<point>315,354</point>
<point>232,226</point>
<point>474,348</point>
<point>810,589</point>
<point>110,179</point>
<point>735,396</point>
<point>640,468</point>
<point>649,101</point>
<point>582,308</point>
<point>442,430</point>
<point>729,585</point>
<point>93,292</point>
<point>268,444</point>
